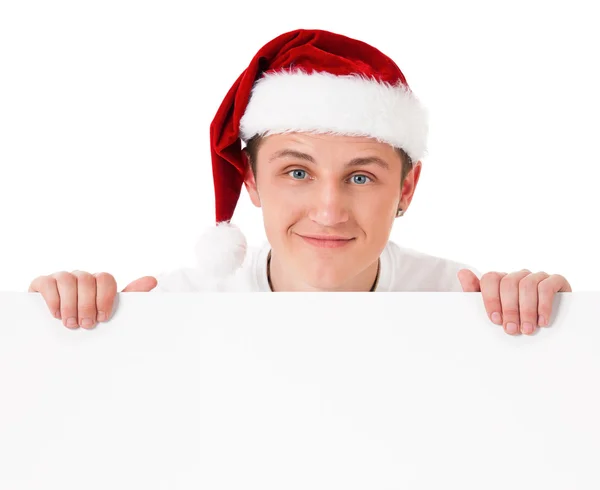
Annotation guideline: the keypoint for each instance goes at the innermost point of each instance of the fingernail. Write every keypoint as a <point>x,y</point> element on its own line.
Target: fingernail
<point>542,322</point>
<point>86,322</point>
<point>527,328</point>
<point>57,314</point>
<point>72,322</point>
<point>497,318</point>
<point>101,316</point>
<point>511,328</point>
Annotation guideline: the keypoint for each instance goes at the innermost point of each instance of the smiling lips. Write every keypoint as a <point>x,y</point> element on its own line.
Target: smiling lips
<point>326,241</point>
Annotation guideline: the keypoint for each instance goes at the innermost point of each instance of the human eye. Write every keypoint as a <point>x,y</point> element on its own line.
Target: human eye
<point>360,179</point>
<point>297,174</point>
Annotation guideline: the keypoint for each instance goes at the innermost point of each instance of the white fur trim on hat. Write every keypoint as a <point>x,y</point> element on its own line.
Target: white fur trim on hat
<point>352,105</point>
<point>221,250</point>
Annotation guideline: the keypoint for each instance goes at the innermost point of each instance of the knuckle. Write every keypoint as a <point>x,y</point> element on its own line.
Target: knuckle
<point>490,281</point>
<point>492,275</point>
<point>86,286</point>
<point>529,314</point>
<point>528,286</point>
<point>106,291</point>
<point>41,283</point>
<point>510,312</point>
<point>509,281</point>
<point>52,300</point>
<point>65,281</point>
<point>491,301</point>
<point>545,288</point>
<point>62,276</point>
<point>68,309</point>
<point>542,277</point>
<point>103,277</point>
<point>46,286</point>
<point>83,276</point>
<point>105,281</point>
<point>66,286</point>
<point>86,305</point>
<point>87,311</point>
<point>86,294</point>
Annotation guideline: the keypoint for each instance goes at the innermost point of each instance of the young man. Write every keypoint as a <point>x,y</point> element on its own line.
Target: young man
<point>335,139</point>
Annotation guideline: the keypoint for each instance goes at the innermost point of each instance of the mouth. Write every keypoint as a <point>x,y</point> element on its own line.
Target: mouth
<point>325,241</point>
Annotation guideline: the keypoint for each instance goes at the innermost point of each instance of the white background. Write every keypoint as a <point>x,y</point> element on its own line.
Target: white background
<point>105,110</point>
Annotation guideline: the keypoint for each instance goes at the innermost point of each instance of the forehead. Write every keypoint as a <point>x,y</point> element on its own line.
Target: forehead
<point>325,142</point>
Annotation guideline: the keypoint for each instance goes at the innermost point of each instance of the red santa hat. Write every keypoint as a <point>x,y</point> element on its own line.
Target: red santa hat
<point>313,81</point>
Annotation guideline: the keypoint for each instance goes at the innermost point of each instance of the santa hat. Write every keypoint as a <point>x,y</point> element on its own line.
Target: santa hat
<point>306,81</point>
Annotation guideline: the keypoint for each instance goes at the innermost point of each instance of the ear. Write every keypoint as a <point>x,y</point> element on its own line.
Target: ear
<point>250,183</point>
<point>410,184</point>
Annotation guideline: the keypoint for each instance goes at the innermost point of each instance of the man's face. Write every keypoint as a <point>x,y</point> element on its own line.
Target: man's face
<point>311,185</point>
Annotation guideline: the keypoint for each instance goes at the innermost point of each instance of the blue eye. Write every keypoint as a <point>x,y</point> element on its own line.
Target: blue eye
<point>360,179</point>
<point>298,174</point>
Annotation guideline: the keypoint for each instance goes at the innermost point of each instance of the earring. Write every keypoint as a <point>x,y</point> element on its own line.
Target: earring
<point>399,213</point>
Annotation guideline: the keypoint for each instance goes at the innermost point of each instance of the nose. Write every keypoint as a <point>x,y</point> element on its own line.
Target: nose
<point>329,204</point>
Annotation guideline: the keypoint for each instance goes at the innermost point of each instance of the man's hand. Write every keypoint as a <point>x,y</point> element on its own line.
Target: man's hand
<point>82,299</point>
<point>519,301</point>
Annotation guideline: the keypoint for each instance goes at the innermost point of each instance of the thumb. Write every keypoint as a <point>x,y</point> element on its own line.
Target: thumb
<point>141,285</point>
<point>469,281</point>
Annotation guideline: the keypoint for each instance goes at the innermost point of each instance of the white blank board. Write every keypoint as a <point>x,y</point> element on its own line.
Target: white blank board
<point>296,391</point>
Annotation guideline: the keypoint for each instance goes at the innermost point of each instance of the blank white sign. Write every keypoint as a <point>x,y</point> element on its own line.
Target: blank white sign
<point>297,391</point>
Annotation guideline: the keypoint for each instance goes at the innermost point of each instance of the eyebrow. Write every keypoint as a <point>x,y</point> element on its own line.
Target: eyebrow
<point>355,162</point>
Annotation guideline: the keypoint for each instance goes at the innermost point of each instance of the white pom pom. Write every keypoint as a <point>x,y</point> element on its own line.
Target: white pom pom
<point>221,250</point>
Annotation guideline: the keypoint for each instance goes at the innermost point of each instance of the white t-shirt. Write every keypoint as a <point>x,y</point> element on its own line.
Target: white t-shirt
<point>402,269</point>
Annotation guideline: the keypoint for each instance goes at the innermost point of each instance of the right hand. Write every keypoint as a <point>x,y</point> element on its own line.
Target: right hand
<point>82,299</point>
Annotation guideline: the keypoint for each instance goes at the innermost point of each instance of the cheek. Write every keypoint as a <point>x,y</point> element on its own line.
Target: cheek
<point>375,212</point>
<point>280,207</point>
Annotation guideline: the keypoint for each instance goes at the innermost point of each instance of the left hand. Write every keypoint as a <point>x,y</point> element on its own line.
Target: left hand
<point>519,301</point>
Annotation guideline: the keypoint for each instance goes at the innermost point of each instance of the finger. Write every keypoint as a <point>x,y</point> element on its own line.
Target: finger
<point>546,291</point>
<point>67,290</point>
<point>528,301</point>
<point>86,299</point>
<point>141,285</point>
<point>468,281</point>
<point>46,286</point>
<point>509,298</point>
<point>106,291</point>
<point>490,290</point>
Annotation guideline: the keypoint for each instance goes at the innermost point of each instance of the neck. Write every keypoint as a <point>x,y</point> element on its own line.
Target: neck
<point>280,280</point>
